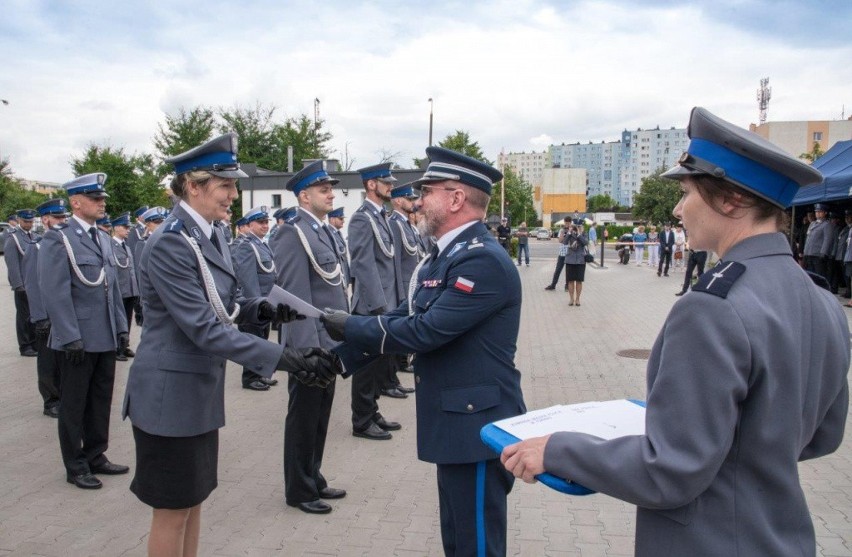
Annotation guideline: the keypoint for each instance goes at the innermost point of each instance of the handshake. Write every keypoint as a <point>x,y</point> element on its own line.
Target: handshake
<point>315,367</point>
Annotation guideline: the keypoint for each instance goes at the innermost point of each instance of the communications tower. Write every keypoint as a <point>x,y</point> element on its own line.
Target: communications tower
<point>763,96</point>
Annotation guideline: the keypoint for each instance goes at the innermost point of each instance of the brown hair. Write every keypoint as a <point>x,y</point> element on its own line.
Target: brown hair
<point>716,190</point>
<point>477,198</point>
<point>178,185</point>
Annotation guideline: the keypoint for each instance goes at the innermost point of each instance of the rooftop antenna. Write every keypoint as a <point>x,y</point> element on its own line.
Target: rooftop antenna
<point>763,96</point>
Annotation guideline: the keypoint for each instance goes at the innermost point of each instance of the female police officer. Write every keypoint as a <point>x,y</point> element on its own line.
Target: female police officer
<point>175,390</point>
<point>746,379</point>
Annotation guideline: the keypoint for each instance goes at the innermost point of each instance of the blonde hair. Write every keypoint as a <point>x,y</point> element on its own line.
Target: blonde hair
<point>178,185</point>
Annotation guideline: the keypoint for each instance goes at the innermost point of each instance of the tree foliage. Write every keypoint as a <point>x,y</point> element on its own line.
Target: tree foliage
<point>13,194</point>
<point>812,155</point>
<point>308,142</point>
<point>519,199</point>
<point>183,131</point>
<point>602,202</point>
<point>461,143</point>
<point>656,199</point>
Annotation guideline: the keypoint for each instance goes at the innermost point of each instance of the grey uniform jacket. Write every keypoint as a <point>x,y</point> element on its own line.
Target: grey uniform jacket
<point>136,233</point>
<point>740,389</point>
<point>253,265</point>
<point>176,383</point>
<point>840,243</point>
<point>373,272</point>
<point>125,268</point>
<point>343,254</point>
<point>819,239</point>
<point>30,274</point>
<point>407,253</point>
<point>575,255</point>
<point>297,275</point>
<point>77,310</point>
<point>14,248</point>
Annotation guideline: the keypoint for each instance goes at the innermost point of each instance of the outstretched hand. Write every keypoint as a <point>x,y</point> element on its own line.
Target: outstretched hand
<point>525,460</point>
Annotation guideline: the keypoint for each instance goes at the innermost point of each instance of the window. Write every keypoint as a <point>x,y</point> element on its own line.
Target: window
<point>817,136</point>
<point>276,199</point>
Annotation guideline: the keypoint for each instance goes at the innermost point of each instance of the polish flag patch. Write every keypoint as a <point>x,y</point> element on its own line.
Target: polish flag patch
<point>464,285</point>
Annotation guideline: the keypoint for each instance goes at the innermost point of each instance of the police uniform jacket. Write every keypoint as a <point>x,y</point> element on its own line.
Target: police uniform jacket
<point>746,379</point>
<point>819,239</point>
<point>125,268</point>
<point>407,253</point>
<point>343,254</point>
<point>840,243</point>
<point>576,252</point>
<point>373,270</point>
<point>176,383</point>
<point>297,275</point>
<point>464,328</point>
<point>847,254</point>
<point>78,311</point>
<point>29,269</point>
<point>14,247</point>
<point>137,232</point>
<point>254,267</point>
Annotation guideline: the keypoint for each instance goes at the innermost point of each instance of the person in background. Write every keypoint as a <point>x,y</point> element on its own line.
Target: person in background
<point>679,247</point>
<point>504,234</point>
<point>639,239</point>
<point>575,263</point>
<point>523,236</point>
<point>19,240</point>
<point>560,259</point>
<point>653,247</point>
<point>125,268</point>
<point>667,243</point>
<point>593,235</point>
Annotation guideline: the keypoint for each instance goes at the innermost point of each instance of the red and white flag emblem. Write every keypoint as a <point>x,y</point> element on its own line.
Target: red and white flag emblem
<point>464,285</point>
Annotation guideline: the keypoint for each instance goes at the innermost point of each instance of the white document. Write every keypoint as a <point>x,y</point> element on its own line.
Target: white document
<point>280,296</point>
<point>607,420</point>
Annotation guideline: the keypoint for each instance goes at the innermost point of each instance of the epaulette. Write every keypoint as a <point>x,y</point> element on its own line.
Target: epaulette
<point>819,280</point>
<point>294,219</point>
<point>175,226</point>
<point>60,226</point>
<point>719,280</point>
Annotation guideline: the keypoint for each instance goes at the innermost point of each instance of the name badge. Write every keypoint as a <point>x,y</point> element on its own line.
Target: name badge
<point>432,283</point>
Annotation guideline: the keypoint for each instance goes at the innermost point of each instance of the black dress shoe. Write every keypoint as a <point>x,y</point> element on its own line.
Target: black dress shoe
<point>380,421</point>
<point>394,393</point>
<point>256,385</point>
<point>551,287</point>
<point>29,352</point>
<point>270,382</point>
<point>52,412</point>
<point>313,507</point>
<point>373,431</point>
<point>681,293</point>
<point>120,357</point>
<point>84,481</point>
<point>129,353</point>
<point>405,390</point>
<point>332,493</point>
<point>110,469</point>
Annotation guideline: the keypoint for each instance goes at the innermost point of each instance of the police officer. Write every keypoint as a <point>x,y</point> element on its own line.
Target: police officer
<point>105,223</point>
<point>225,225</point>
<point>373,269</point>
<point>818,242</point>
<point>337,219</point>
<point>137,232</point>
<point>747,378</point>
<point>52,213</point>
<point>125,268</point>
<point>79,289</point>
<point>504,234</point>
<point>18,240</point>
<point>462,321</point>
<point>152,219</point>
<point>309,266</point>
<point>255,272</point>
<point>175,393</point>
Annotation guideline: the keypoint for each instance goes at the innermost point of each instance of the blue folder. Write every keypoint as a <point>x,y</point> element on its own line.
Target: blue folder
<point>497,440</point>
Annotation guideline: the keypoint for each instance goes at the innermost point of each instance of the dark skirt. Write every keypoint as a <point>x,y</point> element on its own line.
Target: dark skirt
<point>576,272</point>
<point>175,472</point>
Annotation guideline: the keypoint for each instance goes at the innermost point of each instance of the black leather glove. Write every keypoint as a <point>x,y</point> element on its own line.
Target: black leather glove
<point>123,342</point>
<point>335,323</point>
<point>137,312</point>
<point>42,329</point>
<point>74,352</point>
<point>314,367</point>
<point>277,315</point>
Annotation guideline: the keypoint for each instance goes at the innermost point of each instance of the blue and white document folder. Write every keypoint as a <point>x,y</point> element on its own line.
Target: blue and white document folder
<point>604,419</point>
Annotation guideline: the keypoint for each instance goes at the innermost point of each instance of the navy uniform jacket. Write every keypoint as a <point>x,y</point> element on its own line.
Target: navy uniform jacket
<point>819,238</point>
<point>176,384</point>
<point>407,253</point>
<point>14,247</point>
<point>742,385</point>
<point>373,272</point>
<point>29,270</point>
<point>125,268</point>
<point>253,266</point>
<point>467,310</point>
<point>297,275</point>
<point>76,310</point>
<point>343,254</point>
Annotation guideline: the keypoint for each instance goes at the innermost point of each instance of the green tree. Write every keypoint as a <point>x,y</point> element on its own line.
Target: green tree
<point>656,199</point>
<point>308,141</point>
<point>258,143</point>
<point>182,132</point>
<point>815,153</point>
<point>519,199</point>
<point>13,194</point>
<point>461,143</point>
<point>601,202</point>
<point>132,180</point>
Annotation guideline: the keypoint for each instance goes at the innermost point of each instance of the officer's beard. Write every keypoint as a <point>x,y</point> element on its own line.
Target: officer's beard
<point>432,222</point>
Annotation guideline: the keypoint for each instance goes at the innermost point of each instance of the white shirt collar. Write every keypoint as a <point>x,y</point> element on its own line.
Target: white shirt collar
<point>448,238</point>
<point>378,207</point>
<point>206,227</point>
<point>313,216</point>
<point>404,217</point>
<point>85,225</point>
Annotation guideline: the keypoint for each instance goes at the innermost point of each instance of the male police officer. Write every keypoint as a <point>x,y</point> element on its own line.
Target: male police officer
<point>18,241</point>
<point>308,264</point>
<point>88,324</point>
<point>125,268</point>
<point>137,232</point>
<point>462,321</point>
<point>374,279</point>
<point>255,270</point>
<point>52,213</point>
<point>336,219</point>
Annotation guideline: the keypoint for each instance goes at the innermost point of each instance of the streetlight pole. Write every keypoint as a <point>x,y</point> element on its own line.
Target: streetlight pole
<point>502,185</point>
<point>316,123</point>
<point>430,121</point>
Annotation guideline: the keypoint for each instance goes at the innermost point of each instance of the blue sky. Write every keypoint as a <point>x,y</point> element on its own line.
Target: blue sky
<point>515,74</point>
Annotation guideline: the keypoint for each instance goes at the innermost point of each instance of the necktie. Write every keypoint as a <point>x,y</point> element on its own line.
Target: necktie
<point>333,242</point>
<point>215,240</point>
<point>93,232</point>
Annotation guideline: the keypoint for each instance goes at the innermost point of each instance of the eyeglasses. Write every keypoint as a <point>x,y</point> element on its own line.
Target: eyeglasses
<point>425,190</point>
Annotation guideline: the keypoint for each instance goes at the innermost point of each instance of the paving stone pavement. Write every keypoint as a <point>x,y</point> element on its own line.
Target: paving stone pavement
<point>566,354</point>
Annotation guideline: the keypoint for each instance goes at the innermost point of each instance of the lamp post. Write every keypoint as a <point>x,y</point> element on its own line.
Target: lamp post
<point>430,121</point>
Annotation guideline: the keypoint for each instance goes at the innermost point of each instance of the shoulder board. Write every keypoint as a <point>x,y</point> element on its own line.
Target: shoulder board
<point>294,219</point>
<point>456,248</point>
<point>720,279</point>
<point>61,226</point>
<point>819,280</point>
<point>175,226</point>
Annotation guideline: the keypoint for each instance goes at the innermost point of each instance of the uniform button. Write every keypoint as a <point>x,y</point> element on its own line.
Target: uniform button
<point>470,407</point>
<point>417,379</point>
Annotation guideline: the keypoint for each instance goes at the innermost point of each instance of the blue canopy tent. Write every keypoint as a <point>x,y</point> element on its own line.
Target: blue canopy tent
<point>836,168</point>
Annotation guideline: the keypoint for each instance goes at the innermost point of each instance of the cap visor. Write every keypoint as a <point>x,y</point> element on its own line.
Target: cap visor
<point>96,194</point>
<point>679,172</point>
<point>228,173</point>
<point>418,184</point>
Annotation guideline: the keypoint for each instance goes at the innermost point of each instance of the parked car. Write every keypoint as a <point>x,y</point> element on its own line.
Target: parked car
<point>542,234</point>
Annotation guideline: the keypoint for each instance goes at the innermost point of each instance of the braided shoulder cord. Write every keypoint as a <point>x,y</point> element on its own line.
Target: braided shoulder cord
<point>73,260</point>
<point>267,270</point>
<point>18,244</point>
<point>117,263</point>
<point>210,285</point>
<point>327,276</point>
<point>412,284</point>
<point>378,235</point>
<point>410,249</point>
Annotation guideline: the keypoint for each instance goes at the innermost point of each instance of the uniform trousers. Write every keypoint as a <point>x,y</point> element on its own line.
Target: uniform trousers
<point>258,331</point>
<point>815,264</point>
<point>85,409</point>
<point>23,327</point>
<point>305,430</point>
<point>129,304</point>
<point>366,388</point>
<point>665,258</point>
<point>47,369</point>
<point>472,504</point>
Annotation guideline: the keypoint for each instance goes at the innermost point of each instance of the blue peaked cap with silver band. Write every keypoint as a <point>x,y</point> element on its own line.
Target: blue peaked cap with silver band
<point>26,214</point>
<point>91,185</point>
<point>722,150</point>
<point>336,213</point>
<point>381,171</point>
<point>445,164</point>
<point>217,156</point>
<point>256,213</point>
<point>105,221</point>
<point>140,211</point>
<point>312,175</point>
<point>405,190</point>
<point>154,214</point>
<point>121,220</point>
<point>52,207</point>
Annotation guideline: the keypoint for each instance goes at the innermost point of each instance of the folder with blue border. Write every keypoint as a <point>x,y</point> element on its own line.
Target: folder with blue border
<point>496,439</point>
